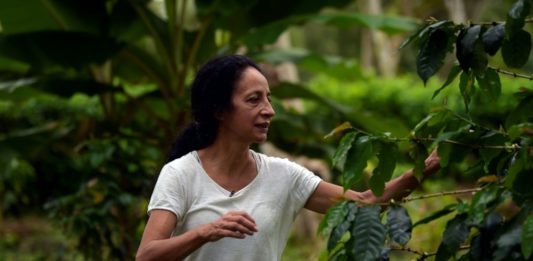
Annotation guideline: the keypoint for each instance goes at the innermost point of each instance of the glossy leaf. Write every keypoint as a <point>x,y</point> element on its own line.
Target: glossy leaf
<point>516,15</point>
<point>454,71</point>
<point>356,160</point>
<point>516,49</point>
<point>399,224</point>
<point>454,235</point>
<point>368,234</point>
<point>492,38</point>
<point>387,155</point>
<point>345,145</point>
<point>470,53</point>
<point>334,216</point>
<point>431,55</point>
<point>438,214</point>
<point>343,226</point>
<point>526,238</point>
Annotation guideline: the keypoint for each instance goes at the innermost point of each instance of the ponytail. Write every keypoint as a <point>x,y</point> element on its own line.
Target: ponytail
<point>196,136</point>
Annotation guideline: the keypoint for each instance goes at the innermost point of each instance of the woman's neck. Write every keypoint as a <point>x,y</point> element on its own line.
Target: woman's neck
<point>225,158</point>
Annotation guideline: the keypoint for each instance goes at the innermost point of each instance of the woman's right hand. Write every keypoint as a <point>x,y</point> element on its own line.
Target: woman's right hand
<point>236,224</point>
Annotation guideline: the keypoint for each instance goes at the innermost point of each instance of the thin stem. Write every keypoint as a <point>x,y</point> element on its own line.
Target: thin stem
<point>516,75</point>
<point>440,194</point>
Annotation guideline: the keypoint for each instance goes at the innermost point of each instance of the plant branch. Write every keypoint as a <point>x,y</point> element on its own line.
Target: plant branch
<point>440,194</point>
<point>516,75</point>
<point>476,146</point>
<point>422,254</point>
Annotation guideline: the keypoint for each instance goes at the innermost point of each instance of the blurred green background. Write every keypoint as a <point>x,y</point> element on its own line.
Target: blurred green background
<point>92,94</point>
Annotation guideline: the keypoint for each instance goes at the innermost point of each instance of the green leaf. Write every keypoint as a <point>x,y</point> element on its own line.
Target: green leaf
<point>368,234</point>
<point>418,153</point>
<point>490,84</point>
<point>356,160</point>
<point>339,129</point>
<point>454,235</point>
<point>345,145</point>
<point>470,53</point>
<point>454,71</point>
<point>443,212</point>
<point>527,237</point>
<point>343,226</point>
<point>466,86</point>
<point>383,172</point>
<point>488,154</point>
<point>431,54</point>
<point>478,207</point>
<point>399,224</point>
<point>515,17</point>
<point>516,49</point>
<point>492,38</point>
<point>334,216</point>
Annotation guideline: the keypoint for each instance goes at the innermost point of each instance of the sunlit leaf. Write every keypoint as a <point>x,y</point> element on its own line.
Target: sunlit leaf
<point>399,224</point>
<point>345,145</point>
<point>344,126</point>
<point>368,234</point>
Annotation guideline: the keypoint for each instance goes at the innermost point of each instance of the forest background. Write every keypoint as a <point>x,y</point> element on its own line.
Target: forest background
<point>92,93</point>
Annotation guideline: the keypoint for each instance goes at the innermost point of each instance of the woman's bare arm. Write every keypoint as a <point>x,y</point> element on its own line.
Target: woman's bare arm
<point>327,194</point>
<point>157,243</point>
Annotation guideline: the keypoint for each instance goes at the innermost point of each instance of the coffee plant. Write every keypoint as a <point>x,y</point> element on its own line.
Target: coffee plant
<point>500,155</point>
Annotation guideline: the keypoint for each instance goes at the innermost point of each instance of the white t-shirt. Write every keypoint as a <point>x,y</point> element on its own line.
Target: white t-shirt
<point>278,192</point>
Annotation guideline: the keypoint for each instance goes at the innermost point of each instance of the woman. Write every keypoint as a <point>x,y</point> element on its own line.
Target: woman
<point>217,199</point>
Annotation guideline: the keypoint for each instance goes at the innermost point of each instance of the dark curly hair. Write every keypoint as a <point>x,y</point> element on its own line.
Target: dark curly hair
<point>211,94</point>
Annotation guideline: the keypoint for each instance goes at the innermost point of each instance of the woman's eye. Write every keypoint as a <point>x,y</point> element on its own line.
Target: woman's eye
<point>254,99</point>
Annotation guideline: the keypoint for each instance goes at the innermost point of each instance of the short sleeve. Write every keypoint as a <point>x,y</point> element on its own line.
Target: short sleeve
<point>168,193</point>
<point>305,183</point>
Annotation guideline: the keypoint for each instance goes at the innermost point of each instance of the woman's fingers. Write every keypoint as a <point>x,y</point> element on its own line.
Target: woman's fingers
<point>236,224</point>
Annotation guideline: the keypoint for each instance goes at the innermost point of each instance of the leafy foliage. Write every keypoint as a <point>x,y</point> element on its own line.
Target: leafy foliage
<point>500,156</point>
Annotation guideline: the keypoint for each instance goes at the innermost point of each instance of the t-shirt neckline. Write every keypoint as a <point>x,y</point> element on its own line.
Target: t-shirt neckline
<point>224,191</point>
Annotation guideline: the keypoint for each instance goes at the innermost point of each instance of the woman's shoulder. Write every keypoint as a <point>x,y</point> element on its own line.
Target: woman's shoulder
<point>277,162</point>
<point>181,165</point>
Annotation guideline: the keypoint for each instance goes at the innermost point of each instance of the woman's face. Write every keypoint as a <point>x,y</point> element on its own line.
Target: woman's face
<point>248,119</point>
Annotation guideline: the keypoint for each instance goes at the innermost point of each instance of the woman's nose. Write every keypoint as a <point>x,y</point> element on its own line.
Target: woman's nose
<point>268,110</point>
